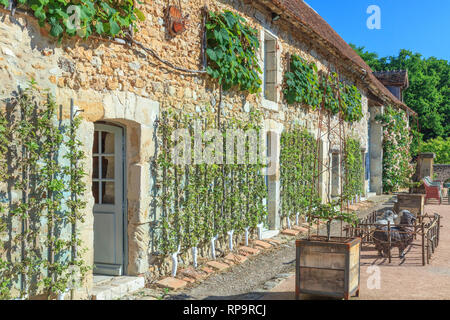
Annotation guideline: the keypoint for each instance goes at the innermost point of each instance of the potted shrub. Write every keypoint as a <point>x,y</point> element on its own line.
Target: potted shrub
<point>327,265</point>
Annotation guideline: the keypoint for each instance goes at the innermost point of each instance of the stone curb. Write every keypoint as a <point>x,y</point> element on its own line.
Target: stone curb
<point>190,276</point>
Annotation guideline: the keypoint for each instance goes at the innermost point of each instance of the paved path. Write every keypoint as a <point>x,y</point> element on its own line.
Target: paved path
<point>254,278</point>
<point>403,279</point>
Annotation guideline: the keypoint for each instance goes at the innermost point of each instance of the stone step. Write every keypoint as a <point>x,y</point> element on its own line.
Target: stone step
<point>371,194</point>
<point>116,287</point>
<point>267,234</point>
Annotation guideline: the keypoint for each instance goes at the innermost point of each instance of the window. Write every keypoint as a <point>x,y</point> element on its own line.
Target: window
<point>335,175</point>
<point>270,67</point>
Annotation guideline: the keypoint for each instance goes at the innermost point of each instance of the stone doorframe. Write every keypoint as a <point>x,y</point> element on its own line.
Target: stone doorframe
<point>275,129</point>
<point>137,116</point>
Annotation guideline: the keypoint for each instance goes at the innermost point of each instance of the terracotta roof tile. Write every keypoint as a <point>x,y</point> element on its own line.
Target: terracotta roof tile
<point>393,78</point>
<point>308,17</point>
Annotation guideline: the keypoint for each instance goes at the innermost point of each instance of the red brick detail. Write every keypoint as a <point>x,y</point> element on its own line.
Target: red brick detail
<point>290,232</point>
<point>262,244</point>
<point>217,265</point>
<point>273,241</point>
<point>248,250</point>
<point>171,283</point>
<point>301,229</point>
<point>207,270</point>
<point>235,258</point>
<point>187,279</point>
<point>191,273</point>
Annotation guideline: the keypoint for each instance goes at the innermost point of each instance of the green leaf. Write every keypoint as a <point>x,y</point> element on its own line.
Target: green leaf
<point>99,28</point>
<point>56,28</point>
<point>139,14</point>
<point>114,27</point>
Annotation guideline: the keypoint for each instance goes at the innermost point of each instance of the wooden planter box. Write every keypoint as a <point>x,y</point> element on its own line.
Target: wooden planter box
<point>328,268</point>
<point>410,201</point>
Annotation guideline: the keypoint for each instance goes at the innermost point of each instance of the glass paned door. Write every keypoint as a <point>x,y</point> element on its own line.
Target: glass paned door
<point>107,189</point>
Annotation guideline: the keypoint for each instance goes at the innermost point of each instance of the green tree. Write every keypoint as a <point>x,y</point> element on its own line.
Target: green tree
<point>429,90</point>
<point>439,146</point>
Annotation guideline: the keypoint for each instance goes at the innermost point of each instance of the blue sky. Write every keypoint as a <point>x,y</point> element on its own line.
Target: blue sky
<point>417,25</point>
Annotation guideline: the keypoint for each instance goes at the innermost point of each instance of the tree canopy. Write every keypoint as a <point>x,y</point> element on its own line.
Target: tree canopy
<point>429,90</point>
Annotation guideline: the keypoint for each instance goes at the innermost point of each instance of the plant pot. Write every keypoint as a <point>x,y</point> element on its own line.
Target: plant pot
<point>412,202</point>
<point>328,268</point>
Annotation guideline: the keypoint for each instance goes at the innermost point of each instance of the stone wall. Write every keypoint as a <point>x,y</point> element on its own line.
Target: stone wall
<point>116,83</point>
<point>441,172</point>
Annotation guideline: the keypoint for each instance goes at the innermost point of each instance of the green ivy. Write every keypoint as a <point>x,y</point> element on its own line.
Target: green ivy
<point>104,18</point>
<point>351,103</point>
<point>202,200</point>
<point>41,248</point>
<point>302,85</point>
<point>298,170</point>
<point>328,88</point>
<point>232,48</point>
<point>353,170</point>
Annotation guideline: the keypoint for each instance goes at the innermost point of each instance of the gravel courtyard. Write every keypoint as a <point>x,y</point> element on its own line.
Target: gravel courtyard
<point>254,279</point>
<point>403,279</point>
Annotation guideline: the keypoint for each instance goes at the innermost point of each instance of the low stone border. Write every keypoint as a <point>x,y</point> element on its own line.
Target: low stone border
<point>190,276</point>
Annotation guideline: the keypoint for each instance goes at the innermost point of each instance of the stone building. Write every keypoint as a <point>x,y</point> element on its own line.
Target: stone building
<point>122,90</point>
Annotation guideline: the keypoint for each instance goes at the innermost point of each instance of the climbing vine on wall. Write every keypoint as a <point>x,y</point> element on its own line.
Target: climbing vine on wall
<point>232,47</point>
<point>304,85</point>
<point>397,169</point>
<point>298,170</point>
<point>351,103</point>
<point>201,199</point>
<point>353,183</point>
<point>85,17</point>
<point>37,217</point>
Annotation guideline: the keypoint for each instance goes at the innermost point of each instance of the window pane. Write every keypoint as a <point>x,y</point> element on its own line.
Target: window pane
<point>107,142</point>
<point>108,167</point>
<point>95,191</point>
<point>270,68</point>
<point>95,146</point>
<point>108,192</point>
<point>95,168</point>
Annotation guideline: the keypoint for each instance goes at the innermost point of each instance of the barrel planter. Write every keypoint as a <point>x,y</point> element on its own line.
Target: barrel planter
<point>328,268</point>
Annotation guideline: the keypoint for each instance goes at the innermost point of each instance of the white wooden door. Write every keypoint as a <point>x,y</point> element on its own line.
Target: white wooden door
<point>107,188</point>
